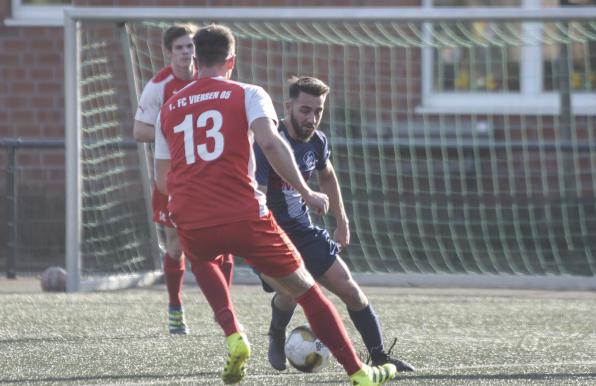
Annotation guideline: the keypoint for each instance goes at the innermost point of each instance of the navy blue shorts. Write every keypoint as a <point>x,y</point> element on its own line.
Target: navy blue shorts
<point>317,248</point>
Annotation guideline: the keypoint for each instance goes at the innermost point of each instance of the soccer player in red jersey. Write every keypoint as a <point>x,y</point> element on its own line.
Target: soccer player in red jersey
<point>177,42</point>
<point>205,163</point>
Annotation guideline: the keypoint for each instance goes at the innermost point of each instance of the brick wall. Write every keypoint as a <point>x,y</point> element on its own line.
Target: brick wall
<point>32,106</point>
<point>31,91</point>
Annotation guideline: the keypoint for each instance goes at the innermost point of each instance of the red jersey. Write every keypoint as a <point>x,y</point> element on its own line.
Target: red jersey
<point>205,131</point>
<point>159,89</point>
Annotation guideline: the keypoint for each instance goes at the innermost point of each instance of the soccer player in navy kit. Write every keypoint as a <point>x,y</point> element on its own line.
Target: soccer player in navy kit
<point>320,253</point>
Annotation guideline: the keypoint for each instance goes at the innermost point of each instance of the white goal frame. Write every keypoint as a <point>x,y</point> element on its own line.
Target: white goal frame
<point>119,14</point>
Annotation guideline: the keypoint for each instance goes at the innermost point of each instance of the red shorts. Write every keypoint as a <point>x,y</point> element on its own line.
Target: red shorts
<point>262,243</point>
<point>161,215</point>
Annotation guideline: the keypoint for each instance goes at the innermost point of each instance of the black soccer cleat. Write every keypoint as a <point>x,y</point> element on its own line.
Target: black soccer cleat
<point>276,353</point>
<point>401,366</point>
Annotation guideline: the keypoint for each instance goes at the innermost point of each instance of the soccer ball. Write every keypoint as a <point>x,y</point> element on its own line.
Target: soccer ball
<point>305,351</point>
<point>53,279</point>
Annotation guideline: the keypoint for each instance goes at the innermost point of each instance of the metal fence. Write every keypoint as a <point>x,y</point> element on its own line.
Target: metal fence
<point>33,213</point>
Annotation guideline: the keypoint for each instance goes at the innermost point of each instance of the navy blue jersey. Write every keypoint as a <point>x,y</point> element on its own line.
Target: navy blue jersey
<point>285,202</point>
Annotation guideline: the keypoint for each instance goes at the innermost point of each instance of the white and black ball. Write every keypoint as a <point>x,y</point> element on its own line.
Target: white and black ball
<point>305,351</point>
<point>53,279</point>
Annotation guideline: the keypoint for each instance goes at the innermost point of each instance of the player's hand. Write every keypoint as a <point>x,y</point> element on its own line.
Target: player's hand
<point>342,234</point>
<point>318,202</point>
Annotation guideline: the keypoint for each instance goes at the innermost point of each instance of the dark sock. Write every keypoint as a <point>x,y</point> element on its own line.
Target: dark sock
<point>174,275</point>
<point>328,327</point>
<point>368,325</point>
<point>279,318</point>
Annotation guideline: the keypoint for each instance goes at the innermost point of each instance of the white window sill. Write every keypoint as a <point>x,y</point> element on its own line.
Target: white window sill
<point>504,104</point>
<point>33,22</point>
<point>36,15</point>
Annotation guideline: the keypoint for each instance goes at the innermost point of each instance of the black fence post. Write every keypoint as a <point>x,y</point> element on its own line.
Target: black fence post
<point>12,214</point>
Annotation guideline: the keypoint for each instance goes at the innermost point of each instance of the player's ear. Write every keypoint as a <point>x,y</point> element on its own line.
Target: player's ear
<point>231,62</point>
<point>289,105</point>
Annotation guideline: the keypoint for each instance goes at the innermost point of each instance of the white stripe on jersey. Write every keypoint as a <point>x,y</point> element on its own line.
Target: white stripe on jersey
<point>252,167</point>
<point>151,101</point>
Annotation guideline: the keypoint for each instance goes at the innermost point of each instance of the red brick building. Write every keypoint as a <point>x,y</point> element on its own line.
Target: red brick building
<point>32,108</point>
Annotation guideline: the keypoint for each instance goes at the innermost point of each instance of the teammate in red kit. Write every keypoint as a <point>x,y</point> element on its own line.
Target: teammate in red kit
<point>205,163</point>
<point>177,42</point>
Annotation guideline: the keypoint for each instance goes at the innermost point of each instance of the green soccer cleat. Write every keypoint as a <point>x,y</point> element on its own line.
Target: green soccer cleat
<point>176,322</point>
<point>238,353</point>
<point>373,376</point>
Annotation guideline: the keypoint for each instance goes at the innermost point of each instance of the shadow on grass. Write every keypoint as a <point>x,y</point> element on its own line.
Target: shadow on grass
<point>70,339</point>
<point>504,377</point>
<point>214,376</point>
<point>137,377</point>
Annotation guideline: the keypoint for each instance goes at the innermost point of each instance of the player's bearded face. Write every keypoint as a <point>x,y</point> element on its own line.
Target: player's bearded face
<point>303,131</point>
<point>305,115</point>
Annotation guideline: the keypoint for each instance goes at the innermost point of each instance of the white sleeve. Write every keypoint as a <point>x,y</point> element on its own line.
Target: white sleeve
<point>150,103</point>
<point>258,104</point>
<point>161,146</point>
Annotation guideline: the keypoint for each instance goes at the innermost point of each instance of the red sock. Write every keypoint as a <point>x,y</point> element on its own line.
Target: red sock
<point>215,288</point>
<point>328,327</point>
<point>174,274</point>
<point>227,267</point>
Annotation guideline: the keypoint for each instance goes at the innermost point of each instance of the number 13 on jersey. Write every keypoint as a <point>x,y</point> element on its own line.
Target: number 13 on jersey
<point>187,127</point>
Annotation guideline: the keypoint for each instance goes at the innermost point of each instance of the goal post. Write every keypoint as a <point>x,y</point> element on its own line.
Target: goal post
<point>459,161</point>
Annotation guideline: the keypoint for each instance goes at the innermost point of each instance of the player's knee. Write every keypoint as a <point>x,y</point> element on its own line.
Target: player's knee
<point>284,301</point>
<point>353,297</point>
<point>174,251</point>
<point>296,283</point>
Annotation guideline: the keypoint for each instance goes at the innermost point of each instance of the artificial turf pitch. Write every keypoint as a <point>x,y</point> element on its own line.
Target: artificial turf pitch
<point>453,337</point>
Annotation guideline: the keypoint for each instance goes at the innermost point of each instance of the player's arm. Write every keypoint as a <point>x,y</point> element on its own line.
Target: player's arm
<point>147,112</point>
<point>162,168</point>
<point>330,186</point>
<point>262,170</point>
<point>143,132</point>
<point>281,158</point>
<point>162,159</point>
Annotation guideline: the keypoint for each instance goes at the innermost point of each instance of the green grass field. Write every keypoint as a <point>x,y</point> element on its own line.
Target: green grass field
<point>454,337</point>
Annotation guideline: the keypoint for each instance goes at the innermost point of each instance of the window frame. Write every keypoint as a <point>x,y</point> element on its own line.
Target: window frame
<point>531,99</point>
<point>36,15</point>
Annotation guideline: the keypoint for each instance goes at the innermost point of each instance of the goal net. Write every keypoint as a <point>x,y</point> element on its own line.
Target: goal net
<point>464,145</point>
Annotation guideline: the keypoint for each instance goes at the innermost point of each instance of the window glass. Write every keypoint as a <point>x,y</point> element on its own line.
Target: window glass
<point>474,57</point>
<point>579,45</point>
<point>477,3</point>
<point>471,56</point>
<point>45,2</point>
<point>579,42</point>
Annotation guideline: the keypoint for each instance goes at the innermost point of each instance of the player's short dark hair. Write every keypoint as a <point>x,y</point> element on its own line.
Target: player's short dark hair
<point>307,84</point>
<point>214,44</point>
<point>174,32</point>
